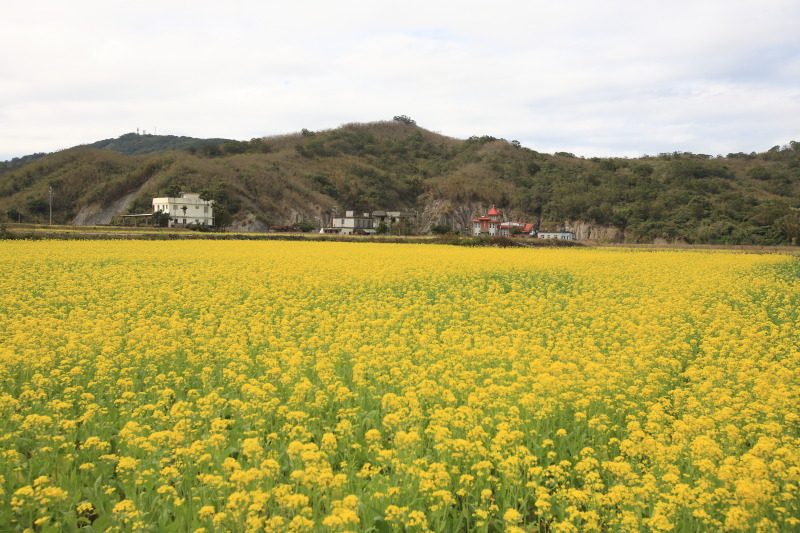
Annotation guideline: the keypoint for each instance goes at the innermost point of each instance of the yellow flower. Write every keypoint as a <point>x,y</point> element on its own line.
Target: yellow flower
<point>512,516</point>
<point>252,449</point>
<point>125,511</point>
<point>127,464</point>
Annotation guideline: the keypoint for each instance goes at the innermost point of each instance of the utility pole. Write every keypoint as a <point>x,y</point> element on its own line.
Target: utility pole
<point>50,193</point>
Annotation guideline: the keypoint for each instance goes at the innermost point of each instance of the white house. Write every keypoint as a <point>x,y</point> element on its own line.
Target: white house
<point>390,218</point>
<point>361,223</point>
<point>352,222</point>
<point>185,210</point>
<point>560,235</point>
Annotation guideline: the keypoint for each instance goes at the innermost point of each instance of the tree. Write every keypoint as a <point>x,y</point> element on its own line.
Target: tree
<point>173,190</point>
<point>222,216</point>
<point>405,119</point>
<point>161,219</point>
<point>14,215</point>
<point>210,150</point>
<point>37,206</point>
<point>789,225</point>
<point>305,226</point>
<point>234,147</point>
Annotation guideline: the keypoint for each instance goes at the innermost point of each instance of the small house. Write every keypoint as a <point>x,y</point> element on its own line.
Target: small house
<point>351,223</point>
<point>560,235</point>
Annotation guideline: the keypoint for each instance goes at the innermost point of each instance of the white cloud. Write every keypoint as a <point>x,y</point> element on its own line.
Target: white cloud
<point>595,78</point>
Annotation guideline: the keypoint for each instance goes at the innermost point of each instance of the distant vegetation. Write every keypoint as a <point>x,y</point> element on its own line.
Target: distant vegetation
<point>134,143</point>
<point>739,198</point>
<point>16,162</point>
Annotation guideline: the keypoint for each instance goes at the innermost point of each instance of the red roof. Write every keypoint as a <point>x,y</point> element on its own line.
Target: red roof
<point>528,228</point>
<point>493,211</point>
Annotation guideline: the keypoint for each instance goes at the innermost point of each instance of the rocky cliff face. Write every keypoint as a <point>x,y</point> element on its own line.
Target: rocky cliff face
<point>459,215</point>
<point>442,212</point>
<point>587,231</point>
<point>248,223</point>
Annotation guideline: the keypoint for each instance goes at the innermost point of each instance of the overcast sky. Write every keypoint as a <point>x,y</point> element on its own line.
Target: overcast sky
<point>594,78</point>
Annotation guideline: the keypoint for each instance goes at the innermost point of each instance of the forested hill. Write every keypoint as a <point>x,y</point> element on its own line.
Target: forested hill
<point>134,143</point>
<point>738,198</point>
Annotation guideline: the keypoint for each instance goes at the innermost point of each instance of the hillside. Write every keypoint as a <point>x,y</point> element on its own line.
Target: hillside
<point>134,143</point>
<point>739,198</point>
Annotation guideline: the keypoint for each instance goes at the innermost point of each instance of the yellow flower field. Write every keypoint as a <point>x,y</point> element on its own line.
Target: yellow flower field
<point>282,386</point>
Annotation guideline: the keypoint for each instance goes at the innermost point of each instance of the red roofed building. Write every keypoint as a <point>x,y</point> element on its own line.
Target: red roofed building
<point>492,224</point>
<point>487,224</point>
<point>507,229</point>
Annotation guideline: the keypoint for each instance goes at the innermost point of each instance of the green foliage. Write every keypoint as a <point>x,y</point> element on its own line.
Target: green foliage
<point>134,143</point>
<point>305,226</point>
<point>161,219</point>
<point>225,205</point>
<point>173,190</point>
<point>208,150</point>
<point>324,185</point>
<point>37,206</point>
<point>683,170</point>
<point>17,162</point>
<point>13,215</point>
<point>235,147</point>
<point>483,139</point>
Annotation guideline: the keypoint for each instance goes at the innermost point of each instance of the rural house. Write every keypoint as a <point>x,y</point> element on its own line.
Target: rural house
<point>507,229</point>
<point>560,235</point>
<point>487,224</point>
<point>391,219</point>
<point>187,209</point>
<point>492,224</point>
<point>353,223</point>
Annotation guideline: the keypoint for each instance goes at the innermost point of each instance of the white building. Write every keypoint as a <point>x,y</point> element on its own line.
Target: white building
<point>369,223</point>
<point>560,235</point>
<point>185,210</point>
<point>351,223</point>
<point>390,218</point>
